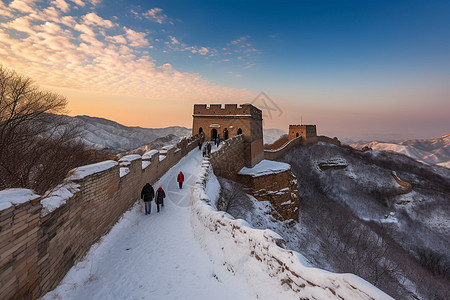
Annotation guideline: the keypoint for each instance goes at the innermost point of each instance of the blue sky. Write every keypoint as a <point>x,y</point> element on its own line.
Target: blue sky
<point>354,68</point>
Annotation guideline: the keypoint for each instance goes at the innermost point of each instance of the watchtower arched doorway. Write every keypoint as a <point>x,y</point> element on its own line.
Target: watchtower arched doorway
<point>239,131</point>
<point>200,130</point>
<point>225,134</point>
<point>213,134</point>
<point>296,135</point>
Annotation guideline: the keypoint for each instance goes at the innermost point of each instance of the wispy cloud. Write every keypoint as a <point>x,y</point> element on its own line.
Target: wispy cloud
<point>78,2</point>
<point>87,52</point>
<point>156,15</point>
<point>175,44</point>
<point>22,5</point>
<point>242,51</point>
<point>62,5</point>
<point>94,19</point>
<point>239,40</point>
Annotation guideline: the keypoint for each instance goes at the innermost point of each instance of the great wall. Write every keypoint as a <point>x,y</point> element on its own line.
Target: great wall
<point>41,242</point>
<point>39,246</point>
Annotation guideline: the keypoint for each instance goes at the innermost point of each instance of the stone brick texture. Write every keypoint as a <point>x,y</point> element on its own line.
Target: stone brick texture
<point>229,159</point>
<point>36,251</point>
<point>280,189</point>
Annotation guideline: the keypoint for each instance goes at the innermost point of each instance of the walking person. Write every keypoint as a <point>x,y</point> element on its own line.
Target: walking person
<point>200,145</point>
<point>147,193</point>
<point>180,179</point>
<point>208,149</point>
<point>160,195</point>
<point>218,141</point>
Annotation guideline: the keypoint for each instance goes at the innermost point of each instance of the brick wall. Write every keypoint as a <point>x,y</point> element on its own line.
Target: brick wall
<point>280,189</point>
<point>407,187</point>
<point>275,154</point>
<point>326,139</point>
<point>37,249</point>
<point>228,160</point>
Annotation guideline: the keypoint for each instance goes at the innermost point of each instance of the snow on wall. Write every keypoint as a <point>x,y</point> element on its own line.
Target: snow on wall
<point>12,197</point>
<point>54,231</point>
<point>265,167</point>
<point>148,155</point>
<point>256,255</point>
<point>58,196</point>
<point>84,171</point>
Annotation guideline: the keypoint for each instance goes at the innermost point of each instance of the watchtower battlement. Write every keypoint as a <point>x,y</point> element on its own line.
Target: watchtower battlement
<point>227,110</point>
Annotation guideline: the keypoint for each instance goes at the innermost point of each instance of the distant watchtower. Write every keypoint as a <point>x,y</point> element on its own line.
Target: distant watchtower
<point>308,133</point>
<point>226,122</point>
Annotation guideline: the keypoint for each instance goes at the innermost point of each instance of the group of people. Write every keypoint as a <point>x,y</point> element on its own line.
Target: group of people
<point>207,147</point>
<point>148,193</point>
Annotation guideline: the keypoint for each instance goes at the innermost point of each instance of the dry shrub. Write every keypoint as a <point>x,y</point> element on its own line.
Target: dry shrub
<point>37,147</point>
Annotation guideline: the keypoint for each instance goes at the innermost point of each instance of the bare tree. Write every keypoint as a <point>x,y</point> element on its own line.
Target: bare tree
<point>232,197</point>
<point>37,147</point>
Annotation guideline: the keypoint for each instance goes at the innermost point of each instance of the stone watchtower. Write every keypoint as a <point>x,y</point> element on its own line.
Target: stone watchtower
<point>229,121</point>
<point>308,133</point>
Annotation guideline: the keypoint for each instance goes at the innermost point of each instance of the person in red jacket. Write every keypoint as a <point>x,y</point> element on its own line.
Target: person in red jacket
<point>160,195</point>
<point>180,179</point>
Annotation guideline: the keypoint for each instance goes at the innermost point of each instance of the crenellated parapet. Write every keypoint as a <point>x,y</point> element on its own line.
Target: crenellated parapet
<point>230,110</point>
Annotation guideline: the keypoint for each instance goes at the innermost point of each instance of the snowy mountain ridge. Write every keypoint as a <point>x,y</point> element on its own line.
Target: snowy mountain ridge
<point>100,133</point>
<point>433,151</point>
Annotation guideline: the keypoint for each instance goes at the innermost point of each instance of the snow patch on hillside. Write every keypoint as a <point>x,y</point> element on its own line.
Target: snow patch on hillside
<point>433,152</point>
<point>258,258</point>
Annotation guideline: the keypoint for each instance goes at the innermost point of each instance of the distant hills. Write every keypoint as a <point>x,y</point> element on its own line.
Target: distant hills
<point>433,152</point>
<point>272,134</point>
<point>100,133</point>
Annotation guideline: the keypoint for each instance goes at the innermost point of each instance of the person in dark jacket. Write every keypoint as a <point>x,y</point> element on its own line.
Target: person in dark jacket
<point>208,149</point>
<point>200,145</point>
<point>180,179</point>
<point>147,194</point>
<point>160,195</point>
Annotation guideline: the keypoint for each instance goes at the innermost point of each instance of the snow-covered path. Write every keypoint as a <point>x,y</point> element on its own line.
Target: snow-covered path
<point>154,256</point>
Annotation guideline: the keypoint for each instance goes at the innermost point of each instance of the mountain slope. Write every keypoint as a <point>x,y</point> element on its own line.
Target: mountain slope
<point>434,151</point>
<point>355,214</point>
<point>272,134</point>
<point>101,133</point>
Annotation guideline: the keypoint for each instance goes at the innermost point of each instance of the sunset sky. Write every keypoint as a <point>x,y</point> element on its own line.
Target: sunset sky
<point>361,69</point>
